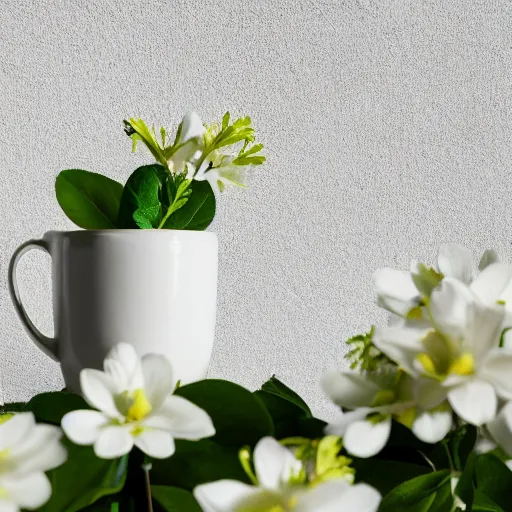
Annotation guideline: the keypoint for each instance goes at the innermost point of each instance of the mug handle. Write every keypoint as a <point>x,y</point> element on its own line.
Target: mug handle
<point>48,345</point>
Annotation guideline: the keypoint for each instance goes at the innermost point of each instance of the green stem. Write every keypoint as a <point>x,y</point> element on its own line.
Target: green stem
<point>171,208</point>
<point>146,467</point>
<point>449,455</point>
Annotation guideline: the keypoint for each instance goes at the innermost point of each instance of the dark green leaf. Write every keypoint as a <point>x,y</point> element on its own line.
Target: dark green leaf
<point>483,503</point>
<point>465,489</point>
<point>494,479</point>
<point>240,418</point>
<point>276,387</point>
<point>285,414</point>
<point>84,479</point>
<point>421,494</point>
<point>174,499</point>
<point>312,428</point>
<point>385,475</point>
<point>52,406</point>
<point>197,462</point>
<point>90,200</point>
<point>461,444</point>
<point>140,203</point>
<point>198,212</point>
<point>12,407</point>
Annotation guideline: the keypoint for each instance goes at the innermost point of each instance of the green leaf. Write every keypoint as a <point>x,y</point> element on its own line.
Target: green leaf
<point>52,406</point>
<point>426,493</point>
<point>461,443</point>
<point>197,462</point>
<point>83,479</point>
<point>483,503</point>
<point>90,200</point>
<point>465,489</point>
<point>240,418</point>
<point>174,499</point>
<point>385,475</point>
<point>494,479</point>
<point>198,212</point>
<point>12,407</point>
<point>137,129</point>
<point>225,120</point>
<point>285,414</point>
<point>140,203</point>
<point>276,387</point>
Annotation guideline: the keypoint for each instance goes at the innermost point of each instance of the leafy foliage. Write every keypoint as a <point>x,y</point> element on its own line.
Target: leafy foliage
<point>90,200</point>
<point>84,479</point>
<point>411,475</point>
<point>364,355</point>
<point>197,212</point>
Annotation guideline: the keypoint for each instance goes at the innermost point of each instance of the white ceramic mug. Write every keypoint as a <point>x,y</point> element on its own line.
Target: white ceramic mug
<point>155,289</point>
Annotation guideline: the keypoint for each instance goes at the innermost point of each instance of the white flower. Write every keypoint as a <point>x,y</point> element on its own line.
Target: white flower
<point>218,169</point>
<point>401,292</point>
<point>135,406</point>
<point>374,400</point>
<point>500,429</point>
<point>459,348</point>
<point>279,487</point>
<point>190,144</point>
<point>27,450</point>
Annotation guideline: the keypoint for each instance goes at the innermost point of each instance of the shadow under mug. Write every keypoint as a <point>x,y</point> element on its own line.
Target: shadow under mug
<point>154,289</point>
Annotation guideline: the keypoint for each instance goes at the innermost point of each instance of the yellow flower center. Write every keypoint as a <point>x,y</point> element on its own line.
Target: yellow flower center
<point>5,417</point>
<point>426,363</point>
<point>463,365</point>
<point>134,405</point>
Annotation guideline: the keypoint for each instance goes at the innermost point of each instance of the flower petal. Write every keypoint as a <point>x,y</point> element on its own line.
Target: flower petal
<point>483,329</point>
<point>40,451</point>
<point>123,365</point>
<point>396,291</point>
<point>155,443</point>
<point>339,427</point>
<point>83,427</point>
<point>401,344</point>
<point>224,495</point>
<point>28,491</point>
<point>158,379</point>
<point>365,439</point>
<point>15,429</point>
<point>432,426</point>
<point>474,401</point>
<point>488,258</point>
<point>428,393</point>
<point>349,389</point>
<point>274,464</point>
<point>191,127</point>
<point>113,442</point>
<point>338,495</point>
<point>497,371</point>
<point>99,390</point>
<point>7,505</point>
<point>182,418</point>
<point>456,261</point>
<point>492,282</point>
<point>450,306</point>
<point>501,429</point>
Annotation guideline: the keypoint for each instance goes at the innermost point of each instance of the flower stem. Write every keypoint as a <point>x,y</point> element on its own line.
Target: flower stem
<point>146,467</point>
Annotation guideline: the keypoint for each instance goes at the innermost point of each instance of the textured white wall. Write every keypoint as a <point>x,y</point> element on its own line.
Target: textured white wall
<point>387,126</point>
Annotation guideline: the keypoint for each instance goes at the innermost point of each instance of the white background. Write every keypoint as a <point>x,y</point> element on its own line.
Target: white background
<point>387,127</point>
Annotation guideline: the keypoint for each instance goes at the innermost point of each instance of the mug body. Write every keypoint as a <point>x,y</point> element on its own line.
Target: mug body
<point>154,289</point>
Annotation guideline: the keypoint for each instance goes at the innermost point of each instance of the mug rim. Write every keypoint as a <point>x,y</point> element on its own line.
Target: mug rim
<point>74,232</point>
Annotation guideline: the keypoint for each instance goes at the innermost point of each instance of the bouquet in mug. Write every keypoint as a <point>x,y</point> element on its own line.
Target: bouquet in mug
<point>176,192</point>
<point>426,422</point>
